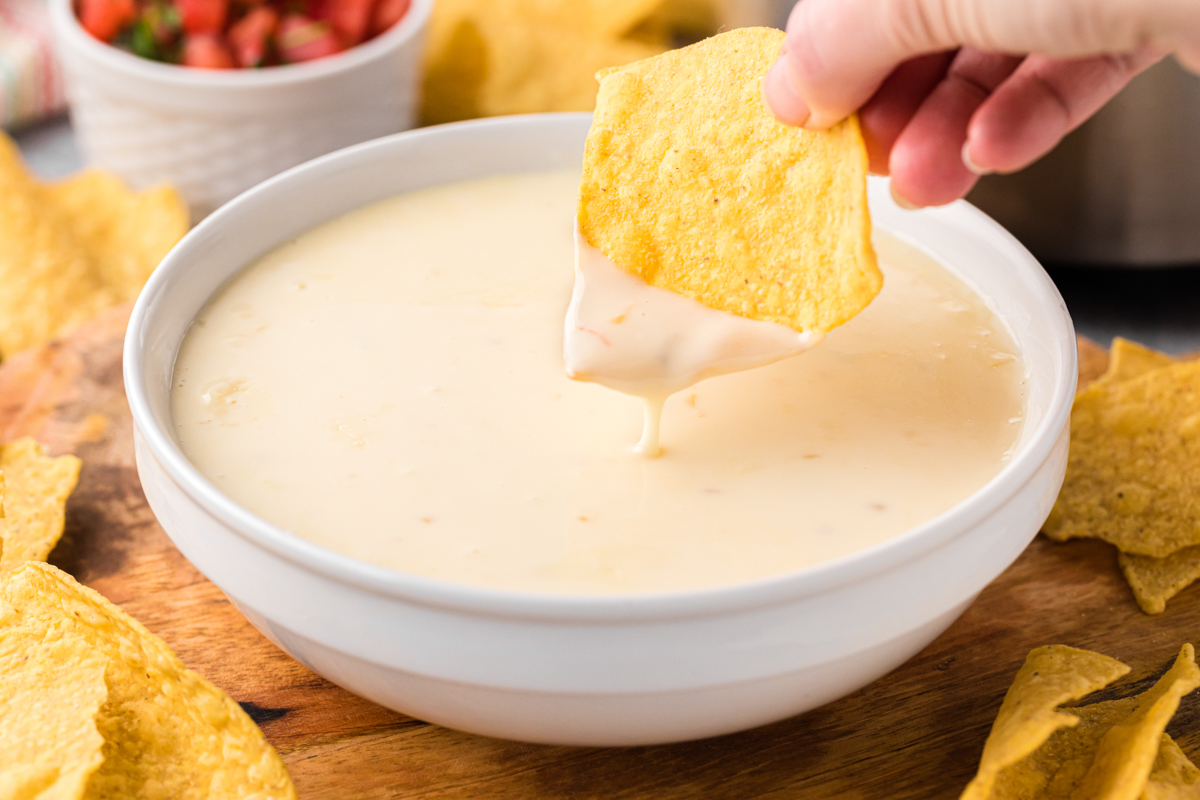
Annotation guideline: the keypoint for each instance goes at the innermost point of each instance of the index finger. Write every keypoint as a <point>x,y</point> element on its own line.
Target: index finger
<point>839,51</point>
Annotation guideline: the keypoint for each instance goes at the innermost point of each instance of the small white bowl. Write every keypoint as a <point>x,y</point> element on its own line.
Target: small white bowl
<point>215,133</point>
<point>626,670</point>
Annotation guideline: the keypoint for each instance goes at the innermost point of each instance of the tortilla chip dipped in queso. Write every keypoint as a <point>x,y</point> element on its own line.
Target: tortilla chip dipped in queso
<point>735,240</point>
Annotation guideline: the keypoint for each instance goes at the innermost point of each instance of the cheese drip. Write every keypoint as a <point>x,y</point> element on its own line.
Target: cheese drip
<point>648,342</point>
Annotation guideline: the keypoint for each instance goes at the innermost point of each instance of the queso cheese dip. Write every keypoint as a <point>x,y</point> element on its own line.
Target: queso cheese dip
<point>391,386</point>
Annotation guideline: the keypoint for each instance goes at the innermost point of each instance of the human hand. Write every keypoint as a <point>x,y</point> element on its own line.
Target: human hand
<point>948,90</point>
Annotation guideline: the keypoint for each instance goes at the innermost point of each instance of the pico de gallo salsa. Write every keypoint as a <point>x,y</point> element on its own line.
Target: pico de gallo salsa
<point>227,34</point>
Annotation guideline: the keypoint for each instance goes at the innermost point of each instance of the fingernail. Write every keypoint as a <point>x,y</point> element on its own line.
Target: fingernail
<point>901,200</point>
<point>781,99</point>
<point>969,164</point>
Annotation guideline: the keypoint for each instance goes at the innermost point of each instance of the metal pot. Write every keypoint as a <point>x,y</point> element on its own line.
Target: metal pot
<point>1122,190</point>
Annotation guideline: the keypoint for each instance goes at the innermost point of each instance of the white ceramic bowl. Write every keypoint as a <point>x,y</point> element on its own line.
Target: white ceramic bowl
<point>586,670</point>
<point>215,133</point>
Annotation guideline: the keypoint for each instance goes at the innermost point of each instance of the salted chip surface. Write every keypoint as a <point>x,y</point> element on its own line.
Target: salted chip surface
<point>51,689</point>
<point>1133,474</point>
<point>35,492</point>
<point>1173,776</point>
<point>1154,581</point>
<point>690,183</point>
<point>1050,676</point>
<point>168,733</point>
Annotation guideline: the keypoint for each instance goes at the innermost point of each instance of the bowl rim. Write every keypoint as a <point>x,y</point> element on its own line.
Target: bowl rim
<point>476,600</point>
<point>72,34</point>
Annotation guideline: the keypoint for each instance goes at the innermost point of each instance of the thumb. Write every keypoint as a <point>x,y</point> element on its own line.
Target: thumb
<point>838,52</point>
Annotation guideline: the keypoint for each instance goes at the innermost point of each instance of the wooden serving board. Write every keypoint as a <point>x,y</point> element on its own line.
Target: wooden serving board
<point>917,733</point>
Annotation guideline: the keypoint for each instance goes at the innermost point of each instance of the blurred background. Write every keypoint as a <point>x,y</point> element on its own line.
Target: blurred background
<point>1113,212</point>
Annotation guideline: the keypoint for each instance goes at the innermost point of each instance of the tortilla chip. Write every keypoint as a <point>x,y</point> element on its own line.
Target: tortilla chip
<point>126,233</point>
<point>535,69</point>
<point>455,70</point>
<point>691,184</point>
<point>1130,360</point>
<point>70,250</point>
<point>168,733</point>
<point>36,488</point>
<point>1154,581</point>
<point>48,282</point>
<point>1174,776</point>
<point>497,57</point>
<point>1133,476</point>
<point>1129,746</point>
<point>1111,750</point>
<point>1050,677</point>
<point>51,689</point>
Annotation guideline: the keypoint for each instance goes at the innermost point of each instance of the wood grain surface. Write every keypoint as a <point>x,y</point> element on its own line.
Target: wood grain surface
<point>916,733</point>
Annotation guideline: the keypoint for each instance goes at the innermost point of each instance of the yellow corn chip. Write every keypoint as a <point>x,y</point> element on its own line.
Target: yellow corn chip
<point>51,688</point>
<point>1133,476</point>
<point>691,19</point>
<point>616,18</point>
<point>1050,677</point>
<point>1154,581</point>
<point>528,67</point>
<point>1130,360</point>
<point>48,282</point>
<point>1129,747</point>
<point>1093,362</point>
<point>495,57</point>
<point>126,233</point>
<point>455,69</point>
<point>1174,776</point>
<point>691,184</point>
<point>1114,750</point>
<point>70,250</point>
<point>168,733</point>
<point>35,492</point>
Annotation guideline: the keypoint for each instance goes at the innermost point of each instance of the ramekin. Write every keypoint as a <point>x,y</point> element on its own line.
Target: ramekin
<point>215,133</point>
<point>587,670</point>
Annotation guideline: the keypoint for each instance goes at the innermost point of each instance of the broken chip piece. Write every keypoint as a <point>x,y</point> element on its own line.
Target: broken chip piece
<point>1153,580</point>
<point>494,57</point>
<point>691,184</point>
<point>34,499</point>
<point>1112,750</point>
<point>168,733</point>
<point>1133,475</point>
<point>1050,676</point>
<point>70,250</point>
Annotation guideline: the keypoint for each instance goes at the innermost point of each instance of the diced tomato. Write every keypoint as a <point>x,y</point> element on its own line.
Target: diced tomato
<point>206,51</point>
<point>203,16</point>
<point>350,19</point>
<point>104,19</point>
<point>250,35</point>
<point>388,13</point>
<point>302,38</point>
